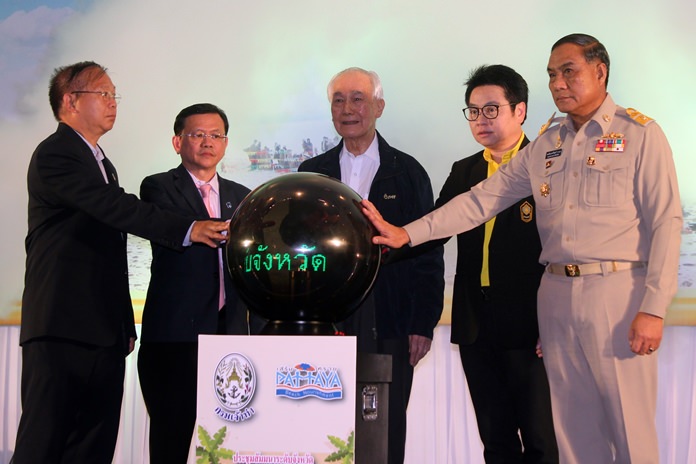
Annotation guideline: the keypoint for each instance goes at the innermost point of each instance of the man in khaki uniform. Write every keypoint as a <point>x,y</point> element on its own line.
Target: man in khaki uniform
<point>609,219</point>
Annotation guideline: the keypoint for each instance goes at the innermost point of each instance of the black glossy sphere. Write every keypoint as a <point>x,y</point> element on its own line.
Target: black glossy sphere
<point>301,252</point>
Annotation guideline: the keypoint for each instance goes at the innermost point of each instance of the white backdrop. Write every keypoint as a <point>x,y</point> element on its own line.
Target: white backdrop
<point>441,423</point>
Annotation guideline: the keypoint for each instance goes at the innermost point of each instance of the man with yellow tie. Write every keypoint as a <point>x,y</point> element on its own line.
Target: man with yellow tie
<point>494,311</point>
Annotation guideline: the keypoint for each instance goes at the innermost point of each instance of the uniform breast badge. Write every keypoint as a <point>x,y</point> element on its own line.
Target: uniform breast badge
<point>544,189</point>
<point>610,142</point>
<point>591,161</point>
<point>526,211</point>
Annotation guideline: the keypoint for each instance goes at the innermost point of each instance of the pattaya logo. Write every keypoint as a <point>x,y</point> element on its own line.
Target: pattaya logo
<point>235,384</point>
<point>305,380</point>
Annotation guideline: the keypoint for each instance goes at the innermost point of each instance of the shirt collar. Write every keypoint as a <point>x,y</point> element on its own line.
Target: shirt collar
<point>214,182</point>
<point>603,117</point>
<point>507,156</point>
<point>96,151</point>
<point>372,151</point>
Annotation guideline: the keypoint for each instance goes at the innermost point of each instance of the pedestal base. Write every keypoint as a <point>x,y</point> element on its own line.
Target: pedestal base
<point>298,328</point>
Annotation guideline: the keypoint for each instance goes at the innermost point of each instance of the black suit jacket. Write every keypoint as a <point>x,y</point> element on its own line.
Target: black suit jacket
<point>514,268</point>
<point>182,298</point>
<point>76,280</point>
<point>408,293</point>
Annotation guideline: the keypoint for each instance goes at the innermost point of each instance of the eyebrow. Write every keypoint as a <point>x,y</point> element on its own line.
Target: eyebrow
<point>488,103</point>
<point>563,65</point>
<point>199,129</point>
<point>349,94</point>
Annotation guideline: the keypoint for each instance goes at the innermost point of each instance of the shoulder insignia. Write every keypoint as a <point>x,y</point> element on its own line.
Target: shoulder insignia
<point>552,120</point>
<point>547,124</point>
<point>638,117</point>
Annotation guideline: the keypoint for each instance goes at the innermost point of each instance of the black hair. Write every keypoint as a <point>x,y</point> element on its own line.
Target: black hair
<point>70,78</point>
<point>198,108</point>
<point>514,85</point>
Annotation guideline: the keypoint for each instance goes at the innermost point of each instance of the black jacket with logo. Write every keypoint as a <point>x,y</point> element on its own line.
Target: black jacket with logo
<point>408,291</point>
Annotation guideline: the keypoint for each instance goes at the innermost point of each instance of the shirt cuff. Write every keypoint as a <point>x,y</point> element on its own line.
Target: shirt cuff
<point>187,238</point>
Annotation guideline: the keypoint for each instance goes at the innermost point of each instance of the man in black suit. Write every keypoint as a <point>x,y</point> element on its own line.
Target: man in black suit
<point>77,317</point>
<point>190,293</point>
<point>494,319</point>
<point>405,304</point>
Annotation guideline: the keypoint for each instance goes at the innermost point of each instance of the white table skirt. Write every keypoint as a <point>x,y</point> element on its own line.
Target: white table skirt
<point>442,426</point>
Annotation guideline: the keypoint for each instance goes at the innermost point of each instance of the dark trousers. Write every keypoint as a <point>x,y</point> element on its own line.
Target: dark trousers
<point>71,402</point>
<point>510,394</point>
<point>168,376</point>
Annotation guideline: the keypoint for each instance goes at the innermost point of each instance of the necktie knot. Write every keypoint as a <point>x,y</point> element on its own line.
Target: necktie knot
<point>205,190</point>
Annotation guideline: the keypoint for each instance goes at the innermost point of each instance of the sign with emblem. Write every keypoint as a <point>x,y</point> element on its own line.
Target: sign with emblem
<point>275,398</point>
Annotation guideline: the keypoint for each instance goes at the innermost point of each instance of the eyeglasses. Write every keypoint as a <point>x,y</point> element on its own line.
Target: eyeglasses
<point>200,136</point>
<point>104,95</point>
<point>472,113</point>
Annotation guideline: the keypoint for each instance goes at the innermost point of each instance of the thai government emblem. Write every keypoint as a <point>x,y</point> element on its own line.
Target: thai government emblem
<point>235,384</point>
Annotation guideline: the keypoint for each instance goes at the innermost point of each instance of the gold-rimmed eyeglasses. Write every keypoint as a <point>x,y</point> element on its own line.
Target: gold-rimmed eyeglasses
<point>201,136</point>
<point>104,95</point>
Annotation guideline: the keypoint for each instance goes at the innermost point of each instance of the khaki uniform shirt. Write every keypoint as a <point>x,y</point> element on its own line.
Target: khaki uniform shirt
<point>591,206</point>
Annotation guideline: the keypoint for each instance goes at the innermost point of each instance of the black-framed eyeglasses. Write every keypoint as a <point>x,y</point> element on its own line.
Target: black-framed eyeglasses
<point>472,113</point>
<point>200,136</point>
<point>104,95</point>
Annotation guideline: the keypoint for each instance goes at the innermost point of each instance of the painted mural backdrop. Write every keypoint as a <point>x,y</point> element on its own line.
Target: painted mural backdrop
<point>267,63</point>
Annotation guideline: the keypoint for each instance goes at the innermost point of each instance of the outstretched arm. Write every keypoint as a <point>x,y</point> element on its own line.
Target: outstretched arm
<point>389,235</point>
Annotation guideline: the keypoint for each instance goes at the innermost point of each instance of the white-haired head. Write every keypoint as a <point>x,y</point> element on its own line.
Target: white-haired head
<point>377,92</point>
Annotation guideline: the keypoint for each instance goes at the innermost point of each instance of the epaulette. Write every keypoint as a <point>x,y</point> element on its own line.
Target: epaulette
<point>548,123</point>
<point>638,117</point>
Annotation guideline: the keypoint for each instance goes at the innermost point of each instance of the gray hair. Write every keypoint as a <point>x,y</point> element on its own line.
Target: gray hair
<point>377,92</point>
